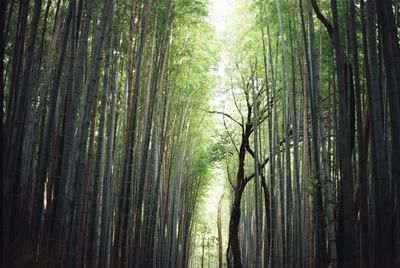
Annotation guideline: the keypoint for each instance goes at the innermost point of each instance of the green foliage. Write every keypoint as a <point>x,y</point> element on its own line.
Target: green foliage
<point>220,149</point>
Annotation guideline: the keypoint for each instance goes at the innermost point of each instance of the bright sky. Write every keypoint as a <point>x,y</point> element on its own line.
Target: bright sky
<point>219,12</point>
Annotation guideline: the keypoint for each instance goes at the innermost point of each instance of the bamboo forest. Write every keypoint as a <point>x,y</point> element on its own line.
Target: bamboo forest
<point>200,133</point>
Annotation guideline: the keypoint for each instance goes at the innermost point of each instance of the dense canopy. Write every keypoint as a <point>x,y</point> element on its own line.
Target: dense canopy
<point>200,133</point>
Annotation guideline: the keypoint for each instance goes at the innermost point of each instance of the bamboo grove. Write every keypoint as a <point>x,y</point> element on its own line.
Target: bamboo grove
<point>312,158</point>
<point>89,87</point>
<point>109,134</point>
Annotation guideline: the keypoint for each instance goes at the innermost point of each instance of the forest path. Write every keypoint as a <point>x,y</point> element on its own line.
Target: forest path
<point>215,202</point>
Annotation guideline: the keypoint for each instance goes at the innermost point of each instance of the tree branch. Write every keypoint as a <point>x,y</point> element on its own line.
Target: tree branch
<point>224,114</point>
<point>324,20</point>
<point>229,175</point>
<point>249,177</point>
<point>237,106</point>
<point>230,136</point>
